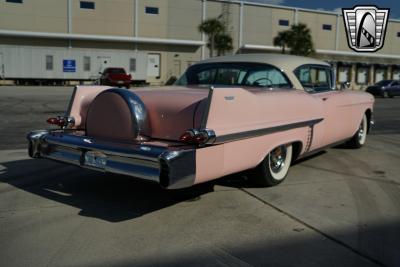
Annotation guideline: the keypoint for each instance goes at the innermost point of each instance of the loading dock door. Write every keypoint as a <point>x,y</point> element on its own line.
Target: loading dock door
<point>153,65</point>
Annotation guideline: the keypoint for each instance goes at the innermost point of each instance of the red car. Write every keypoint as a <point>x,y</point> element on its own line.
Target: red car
<point>115,77</point>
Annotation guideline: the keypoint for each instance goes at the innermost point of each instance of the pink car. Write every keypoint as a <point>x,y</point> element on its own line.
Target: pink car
<point>256,112</point>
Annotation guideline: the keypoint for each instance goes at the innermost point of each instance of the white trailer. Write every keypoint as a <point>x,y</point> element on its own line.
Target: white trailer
<point>30,64</point>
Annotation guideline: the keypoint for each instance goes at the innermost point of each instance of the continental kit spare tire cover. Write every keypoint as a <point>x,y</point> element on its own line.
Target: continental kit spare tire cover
<point>117,114</point>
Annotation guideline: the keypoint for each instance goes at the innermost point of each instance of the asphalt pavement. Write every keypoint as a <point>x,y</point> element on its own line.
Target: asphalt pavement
<point>340,207</point>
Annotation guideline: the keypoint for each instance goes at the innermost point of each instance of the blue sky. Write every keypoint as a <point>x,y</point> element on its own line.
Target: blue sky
<point>331,5</point>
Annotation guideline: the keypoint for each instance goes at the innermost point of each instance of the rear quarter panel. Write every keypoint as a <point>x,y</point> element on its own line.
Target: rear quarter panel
<point>235,110</point>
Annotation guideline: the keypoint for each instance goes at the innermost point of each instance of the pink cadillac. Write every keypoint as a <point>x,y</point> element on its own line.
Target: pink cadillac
<point>256,112</point>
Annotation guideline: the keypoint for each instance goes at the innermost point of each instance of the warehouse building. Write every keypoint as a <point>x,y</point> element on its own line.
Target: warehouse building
<point>73,40</point>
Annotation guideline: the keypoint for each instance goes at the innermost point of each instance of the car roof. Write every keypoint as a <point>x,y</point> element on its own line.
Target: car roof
<point>287,63</point>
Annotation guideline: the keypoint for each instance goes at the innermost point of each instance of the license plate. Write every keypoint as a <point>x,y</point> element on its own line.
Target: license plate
<point>120,82</point>
<point>95,159</point>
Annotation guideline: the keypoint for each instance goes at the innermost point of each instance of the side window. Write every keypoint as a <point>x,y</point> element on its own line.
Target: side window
<point>395,83</point>
<point>314,78</point>
<point>267,78</point>
<point>206,76</point>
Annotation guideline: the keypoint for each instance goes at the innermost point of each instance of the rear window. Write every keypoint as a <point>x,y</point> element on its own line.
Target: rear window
<point>115,71</point>
<point>240,74</point>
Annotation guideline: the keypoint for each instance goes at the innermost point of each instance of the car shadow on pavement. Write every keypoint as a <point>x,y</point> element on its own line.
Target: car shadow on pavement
<point>110,197</point>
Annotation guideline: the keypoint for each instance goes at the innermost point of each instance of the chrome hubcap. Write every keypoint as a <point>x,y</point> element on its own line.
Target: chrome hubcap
<point>277,159</point>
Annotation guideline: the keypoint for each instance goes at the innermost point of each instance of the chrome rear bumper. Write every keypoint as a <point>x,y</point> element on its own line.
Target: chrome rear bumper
<point>170,167</point>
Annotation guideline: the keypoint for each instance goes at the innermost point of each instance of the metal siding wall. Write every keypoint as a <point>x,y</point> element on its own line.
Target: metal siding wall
<point>30,62</point>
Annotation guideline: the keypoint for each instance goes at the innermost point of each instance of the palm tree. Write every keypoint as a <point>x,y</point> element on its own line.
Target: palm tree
<point>282,39</point>
<point>300,42</point>
<point>223,43</point>
<point>298,39</point>
<point>211,28</point>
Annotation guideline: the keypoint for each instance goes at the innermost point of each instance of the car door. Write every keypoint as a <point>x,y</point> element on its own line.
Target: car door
<point>394,88</point>
<point>337,125</point>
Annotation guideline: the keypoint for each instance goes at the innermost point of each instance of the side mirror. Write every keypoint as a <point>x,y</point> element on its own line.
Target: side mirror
<point>344,85</point>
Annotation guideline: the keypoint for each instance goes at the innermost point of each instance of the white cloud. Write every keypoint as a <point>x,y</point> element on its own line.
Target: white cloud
<point>273,2</point>
<point>338,10</point>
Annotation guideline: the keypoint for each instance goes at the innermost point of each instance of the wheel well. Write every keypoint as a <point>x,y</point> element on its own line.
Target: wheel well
<point>297,147</point>
<point>368,112</point>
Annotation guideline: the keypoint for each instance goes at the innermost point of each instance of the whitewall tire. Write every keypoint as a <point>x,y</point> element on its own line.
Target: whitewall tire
<point>360,137</point>
<point>274,168</point>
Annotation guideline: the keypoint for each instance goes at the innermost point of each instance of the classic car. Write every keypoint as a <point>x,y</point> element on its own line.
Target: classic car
<point>255,112</point>
<point>385,88</point>
<point>115,77</point>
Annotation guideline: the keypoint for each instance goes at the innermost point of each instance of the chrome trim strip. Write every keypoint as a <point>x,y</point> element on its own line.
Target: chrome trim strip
<point>264,131</point>
<point>311,138</point>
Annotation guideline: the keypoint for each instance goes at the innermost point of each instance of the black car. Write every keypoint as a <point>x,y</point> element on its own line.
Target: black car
<point>385,88</point>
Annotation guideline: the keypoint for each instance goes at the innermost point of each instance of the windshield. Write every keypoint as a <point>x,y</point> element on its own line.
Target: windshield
<point>384,83</point>
<point>241,74</point>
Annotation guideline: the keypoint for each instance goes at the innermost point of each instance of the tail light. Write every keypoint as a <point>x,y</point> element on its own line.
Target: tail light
<point>56,121</point>
<point>198,137</point>
<point>62,121</point>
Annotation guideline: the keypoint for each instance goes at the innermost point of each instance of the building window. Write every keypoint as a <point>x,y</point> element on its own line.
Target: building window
<point>132,65</point>
<point>86,63</point>
<point>15,1</point>
<point>151,10</point>
<point>87,5</point>
<point>49,62</point>
<point>380,74</point>
<point>326,27</point>
<point>398,34</point>
<point>362,75</point>
<point>283,22</point>
<point>344,72</point>
<point>396,73</point>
